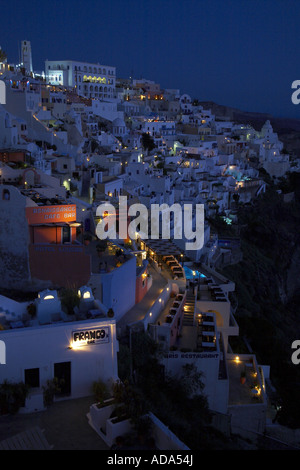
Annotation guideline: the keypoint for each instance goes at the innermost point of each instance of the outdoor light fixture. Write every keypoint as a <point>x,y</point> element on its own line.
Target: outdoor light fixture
<point>48,297</point>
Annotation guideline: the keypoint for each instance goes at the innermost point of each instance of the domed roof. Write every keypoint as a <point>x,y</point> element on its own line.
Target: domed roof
<point>118,122</point>
<point>267,125</point>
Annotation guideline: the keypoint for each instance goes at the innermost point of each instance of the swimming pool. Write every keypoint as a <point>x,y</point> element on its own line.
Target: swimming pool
<point>192,274</point>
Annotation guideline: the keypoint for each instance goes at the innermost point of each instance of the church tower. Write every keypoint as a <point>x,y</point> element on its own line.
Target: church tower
<point>26,58</point>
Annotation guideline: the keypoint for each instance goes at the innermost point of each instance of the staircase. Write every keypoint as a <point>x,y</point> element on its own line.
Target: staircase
<point>189,308</point>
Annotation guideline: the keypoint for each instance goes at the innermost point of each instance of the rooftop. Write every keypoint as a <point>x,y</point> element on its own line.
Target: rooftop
<point>41,200</point>
<point>47,309</point>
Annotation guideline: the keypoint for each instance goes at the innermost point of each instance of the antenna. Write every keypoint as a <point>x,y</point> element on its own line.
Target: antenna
<point>19,53</point>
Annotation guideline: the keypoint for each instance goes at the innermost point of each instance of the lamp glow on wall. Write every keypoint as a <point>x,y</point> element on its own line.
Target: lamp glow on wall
<point>47,295</point>
<point>85,293</point>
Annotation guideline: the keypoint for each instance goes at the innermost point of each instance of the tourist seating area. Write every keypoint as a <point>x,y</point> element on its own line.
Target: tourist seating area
<point>206,333</point>
<point>176,306</point>
<point>174,266</point>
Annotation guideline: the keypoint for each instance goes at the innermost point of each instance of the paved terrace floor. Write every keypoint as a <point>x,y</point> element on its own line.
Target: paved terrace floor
<point>188,337</point>
<point>240,394</point>
<point>64,423</point>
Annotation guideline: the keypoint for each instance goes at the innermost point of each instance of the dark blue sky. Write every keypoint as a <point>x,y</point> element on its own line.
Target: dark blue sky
<point>243,53</point>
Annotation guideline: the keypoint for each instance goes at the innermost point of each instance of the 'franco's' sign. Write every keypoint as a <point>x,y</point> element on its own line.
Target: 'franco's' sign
<point>84,337</point>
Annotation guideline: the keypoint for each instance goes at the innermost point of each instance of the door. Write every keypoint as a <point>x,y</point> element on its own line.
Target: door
<point>62,371</point>
<point>66,234</point>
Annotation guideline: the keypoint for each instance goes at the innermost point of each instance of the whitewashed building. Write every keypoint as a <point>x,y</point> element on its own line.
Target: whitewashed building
<point>89,80</point>
<point>75,349</point>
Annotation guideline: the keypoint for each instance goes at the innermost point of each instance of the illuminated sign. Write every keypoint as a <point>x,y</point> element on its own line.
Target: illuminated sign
<point>90,336</point>
<point>191,355</point>
<point>56,213</point>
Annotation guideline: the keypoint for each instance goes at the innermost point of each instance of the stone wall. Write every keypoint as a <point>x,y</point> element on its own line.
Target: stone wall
<point>14,239</point>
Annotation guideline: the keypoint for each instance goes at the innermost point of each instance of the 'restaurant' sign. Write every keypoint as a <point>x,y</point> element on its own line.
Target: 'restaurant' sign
<point>90,336</point>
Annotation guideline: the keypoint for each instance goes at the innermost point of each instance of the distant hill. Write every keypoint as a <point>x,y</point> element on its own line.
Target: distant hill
<point>288,129</point>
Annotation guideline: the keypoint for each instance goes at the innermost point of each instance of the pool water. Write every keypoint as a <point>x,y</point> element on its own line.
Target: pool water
<point>191,274</point>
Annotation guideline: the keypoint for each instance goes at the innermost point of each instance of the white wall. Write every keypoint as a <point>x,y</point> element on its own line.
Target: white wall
<point>118,288</point>
<point>215,390</point>
<point>42,346</point>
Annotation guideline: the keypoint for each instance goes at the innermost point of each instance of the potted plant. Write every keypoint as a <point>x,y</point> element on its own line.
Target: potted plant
<point>101,392</point>
<point>52,387</point>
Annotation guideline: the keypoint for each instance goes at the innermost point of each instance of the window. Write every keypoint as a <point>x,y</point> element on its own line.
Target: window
<point>6,195</point>
<point>62,371</point>
<point>32,377</point>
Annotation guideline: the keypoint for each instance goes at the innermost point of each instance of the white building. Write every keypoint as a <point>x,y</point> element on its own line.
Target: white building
<point>76,351</point>
<point>90,80</point>
<point>157,127</point>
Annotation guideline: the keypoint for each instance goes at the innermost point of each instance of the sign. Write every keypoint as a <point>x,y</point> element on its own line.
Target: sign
<point>49,214</point>
<point>90,336</point>
<point>191,355</point>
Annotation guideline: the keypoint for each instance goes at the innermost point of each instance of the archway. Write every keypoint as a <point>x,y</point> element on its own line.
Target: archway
<point>36,176</point>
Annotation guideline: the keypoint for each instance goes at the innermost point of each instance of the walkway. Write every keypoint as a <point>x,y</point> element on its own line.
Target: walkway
<point>64,424</point>
<point>138,311</point>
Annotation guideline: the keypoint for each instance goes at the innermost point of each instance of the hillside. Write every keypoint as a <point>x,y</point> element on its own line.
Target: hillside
<point>288,129</point>
<point>267,288</point>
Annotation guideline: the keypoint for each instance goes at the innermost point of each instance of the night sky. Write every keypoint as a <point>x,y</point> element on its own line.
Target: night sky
<point>243,53</point>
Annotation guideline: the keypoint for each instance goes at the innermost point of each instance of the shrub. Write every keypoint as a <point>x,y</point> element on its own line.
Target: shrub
<point>12,396</point>
<point>100,391</point>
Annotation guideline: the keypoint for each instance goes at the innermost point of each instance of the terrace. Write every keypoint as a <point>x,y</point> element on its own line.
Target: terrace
<point>245,381</point>
<point>105,257</point>
<point>172,310</point>
<point>200,337</point>
<point>211,292</point>
<point>49,308</point>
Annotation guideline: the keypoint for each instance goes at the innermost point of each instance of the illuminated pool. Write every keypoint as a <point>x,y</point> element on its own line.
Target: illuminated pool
<point>192,274</point>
